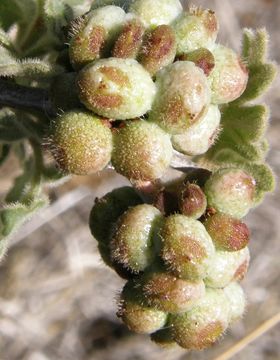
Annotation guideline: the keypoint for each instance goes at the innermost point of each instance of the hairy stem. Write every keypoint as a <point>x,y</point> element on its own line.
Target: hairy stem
<point>23,97</point>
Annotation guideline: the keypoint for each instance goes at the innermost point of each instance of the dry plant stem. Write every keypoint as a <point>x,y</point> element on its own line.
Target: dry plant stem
<point>257,333</point>
<point>23,97</point>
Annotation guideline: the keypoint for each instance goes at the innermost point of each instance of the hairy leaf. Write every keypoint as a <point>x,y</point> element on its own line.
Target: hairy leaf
<point>30,68</point>
<point>12,216</point>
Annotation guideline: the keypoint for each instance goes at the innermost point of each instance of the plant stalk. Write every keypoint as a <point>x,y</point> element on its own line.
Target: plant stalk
<point>24,97</point>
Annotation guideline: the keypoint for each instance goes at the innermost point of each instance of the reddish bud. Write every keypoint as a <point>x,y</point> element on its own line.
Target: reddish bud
<point>192,201</point>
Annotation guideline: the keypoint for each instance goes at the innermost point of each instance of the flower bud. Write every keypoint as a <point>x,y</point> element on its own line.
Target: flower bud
<point>156,12</point>
<point>201,327</point>
<point>129,41</point>
<point>198,139</point>
<point>170,294</point>
<point>237,301</point>
<point>142,151</point>
<point>116,88</point>
<point>136,314</point>
<point>103,217</point>
<point>202,57</point>
<point>186,247</point>
<point>195,29</point>
<point>192,202</point>
<point>159,49</point>
<point>225,267</point>
<point>133,244</point>
<point>183,97</point>
<point>80,143</point>
<point>227,233</point>
<point>88,41</point>
<point>231,191</point>
<point>229,78</point>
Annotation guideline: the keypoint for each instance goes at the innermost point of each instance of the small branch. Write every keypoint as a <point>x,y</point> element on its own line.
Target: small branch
<point>23,97</point>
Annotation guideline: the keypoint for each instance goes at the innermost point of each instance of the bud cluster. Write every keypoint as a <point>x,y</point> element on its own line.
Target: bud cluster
<point>150,74</point>
<point>183,256</point>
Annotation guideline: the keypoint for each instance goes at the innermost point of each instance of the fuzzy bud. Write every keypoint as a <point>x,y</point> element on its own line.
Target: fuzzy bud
<point>198,139</point>
<point>229,77</point>
<point>159,49</point>
<point>133,244</point>
<point>80,143</point>
<point>231,191</point>
<point>142,151</point>
<point>195,29</point>
<point>201,327</point>
<point>156,12</point>
<point>121,3</point>
<point>168,293</point>
<point>237,301</point>
<point>129,41</point>
<point>183,97</point>
<point>186,247</point>
<point>192,202</point>
<point>227,233</point>
<point>136,314</point>
<point>203,58</point>
<point>100,26</point>
<point>103,217</point>
<point>116,88</point>
<point>225,267</point>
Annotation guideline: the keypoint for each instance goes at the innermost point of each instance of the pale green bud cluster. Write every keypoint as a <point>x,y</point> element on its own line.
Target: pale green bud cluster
<point>153,72</point>
<point>184,259</point>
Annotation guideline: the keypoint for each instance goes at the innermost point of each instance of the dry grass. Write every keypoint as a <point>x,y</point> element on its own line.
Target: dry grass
<point>57,298</point>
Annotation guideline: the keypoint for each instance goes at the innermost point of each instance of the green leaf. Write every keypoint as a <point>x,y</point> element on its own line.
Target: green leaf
<point>246,123</point>
<point>10,127</point>
<point>255,46</point>
<point>4,38</point>
<point>261,77</point>
<point>12,216</point>
<point>31,68</point>
<point>9,13</point>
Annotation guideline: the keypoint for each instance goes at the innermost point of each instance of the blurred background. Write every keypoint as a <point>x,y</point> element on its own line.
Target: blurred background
<point>57,299</point>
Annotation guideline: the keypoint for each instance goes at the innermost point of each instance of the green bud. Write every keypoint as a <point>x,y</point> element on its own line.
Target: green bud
<point>225,267</point>
<point>202,57</point>
<point>142,151</point>
<point>195,29</point>
<point>156,12</point>
<point>227,233</point>
<point>170,294</point>
<point>229,77</point>
<point>192,202</point>
<point>103,217</point>
<point>159,49</point>
<point>198,139</point>
<point>80,143</point>
<point>183,97</point>
<point>133,244</point>
<point>99,26</point>
<point>231,191</point>
<point>186,247</point>
<point>136,314</point>
<point>116,88</point>
<point>201,327</point>
<point>129,40</point>
<point>63,92</point>
<point>237,301</point>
